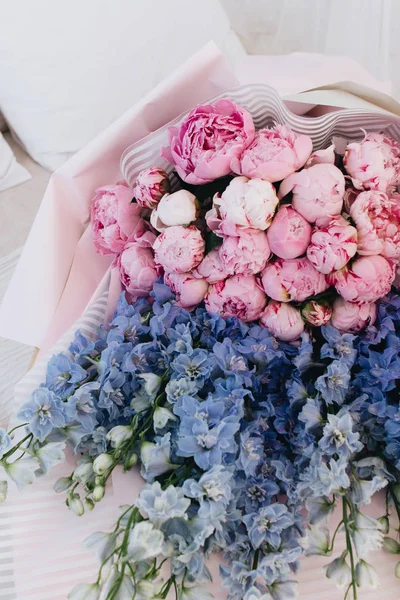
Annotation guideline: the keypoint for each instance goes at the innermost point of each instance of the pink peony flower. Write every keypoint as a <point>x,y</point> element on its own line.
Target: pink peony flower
<point>179,208</point>
<point>137,269</point>
<point>188,290</point>
<point>289,233</point>
<point>247,253</point>
<point>333,244</point>
<point>273,155</point>
<point>293,279</point>
<point>349,198</point>
<point>113,218</point>
<point>283,321</point>
<point>202,147</point>
<point>247,203</point>
<point>373,163</point>
<point>366,280</point>
<point>351,317</point>
<point>317,191</point>
<point>317,313</point>
<point>377,219</point>
<point>211,268</point>
<point>179,249</point>
<point>322,157</point>
<point>238,296</point>
<point>151,185</point>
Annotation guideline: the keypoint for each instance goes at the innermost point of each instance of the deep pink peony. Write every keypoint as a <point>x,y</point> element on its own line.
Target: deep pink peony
<point>317,191</point>
<point>366,280</point>
<point>179,249</point>
<point>189,290</point>
<point>247,253</point>
<point>150,186</point>
<point>317,313</point>
<point>373,163</point>
<point>113,218</point>
<point>211,268</point>
<point>377,218</point>
<point>322,157</point>
<point>137,269</point>
<point>239,296</point>
<point>273,155</point>
<point>293,279</point>
<point>289,233</point>
<point>352,317</point>
<point>333,244</point>
<point>202,147</point>
<point>283,321</point>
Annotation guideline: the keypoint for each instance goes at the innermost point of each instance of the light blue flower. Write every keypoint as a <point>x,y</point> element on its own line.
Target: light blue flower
<point>324,478</point>
<point>195,367</point>
<point>340,345</point>
<point>311,415</point>
<point>276,566</point>
<point>251,453</point>
<point>156,457</point>
<point>145,541</point>
<point>334,384</point>
<point>50,455</point>
<point>338,436</point>
<point>213,485</point>
<point>176,388</point>
<point>81,407</point>
<point>159,505</point>
<point>63,375</point>
<point>44,412</point>
<point>5,442</point>
<point>268,524</point>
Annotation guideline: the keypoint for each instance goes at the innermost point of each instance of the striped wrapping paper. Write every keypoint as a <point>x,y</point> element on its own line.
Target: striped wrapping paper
<point>41,554</point>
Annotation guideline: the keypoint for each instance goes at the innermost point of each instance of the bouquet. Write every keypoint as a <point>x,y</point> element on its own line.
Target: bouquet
<point>251,368</point>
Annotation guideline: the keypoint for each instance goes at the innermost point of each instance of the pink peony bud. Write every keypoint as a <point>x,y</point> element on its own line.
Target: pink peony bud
<point>317,191</point>
<point>189,291</point>
<point>151,185</point>
<point>238,296</point>
<point>247,203</point>
<point>179,249</point>
<point>320,157</point>
<point>247,253</point>
<point>203,145</point>
<point>351,317</point>
<point>114,217</point>
<point>333,244</point>
<point>317,313</point>
<point>293,279</point>
<point>289,233</point>
<point>373,163</point>
<point>179,208</point>
<point>274,154</point>
<point>137,269</point>
<point>366,280</point>
<point>283,321</point>
<point>377,219</point>
<point>211,268</point>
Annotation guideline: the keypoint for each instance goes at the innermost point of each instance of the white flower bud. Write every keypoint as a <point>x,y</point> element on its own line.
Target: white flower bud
<point>75,504</point>
<point>3,490</point>
<point>339,571</point>
<point>384,522</point>
<point>98,493</point>
<point>132,461</point>
<point>152,383</point>
<point>83,472</point>
<point>146,589</point>
<point>161,417</point>
<point>89,503</point>
<point>366,576</point>
<point>103,463</point>
<point>119,434</point>
<point>397,570</point>
<point>179,208</point>
<point>98,480</point>
<point>62,484</point>
<point>390,545</point>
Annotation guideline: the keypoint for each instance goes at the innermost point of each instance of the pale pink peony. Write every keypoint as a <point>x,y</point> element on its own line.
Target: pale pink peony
<point>333,244</point>
<point>317,313</point>
<point>150,186</point>
<point>246,254</point>
<point>189,291</point>
<point>349,198</point>
<point>137,269</point>
<point>289,233</point>
<point>179,208</point>
<point>377,218</point>
<point>239,296</point>
<point>203,145</point>
<point>211,268</point>
<point>293,279</point>
<point>373,163</point>
<point>179,249</point>
<point>366,280</point>
<point>322,157</point>
<point>274,154</point>
<point>283,321</point>
<point>247,203</point>
<point>352,317</point>
<point>114,217</point>
<point>317,191</point>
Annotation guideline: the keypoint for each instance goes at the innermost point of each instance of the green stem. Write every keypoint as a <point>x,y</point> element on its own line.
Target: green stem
<point>17,427</point>
<point>15,448</point>
<point>255,559</point>
<point>396,504</point>
<point>349,548</point>
<point>334,536</point>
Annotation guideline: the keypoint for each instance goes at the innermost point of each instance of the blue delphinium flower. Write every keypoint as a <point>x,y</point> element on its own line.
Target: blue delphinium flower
<point>180,338</point>
<point>259,346</point>
<point>160,505</point>
<point>339,345</point>
<point>311,415</point>
<point>213,485</point>
<point>267,525</point>
<point>334,384</point>
<point>63,375</point>
<point>5,442</point>
<point>81,406</point>
<point>323,478</point>
<point>338,436</point>
<point>176,388</point>
<point>44,413</point>
<point>81,348</point>
<point>251,453</point>
<point>126,329</point>
<point>196,367</point>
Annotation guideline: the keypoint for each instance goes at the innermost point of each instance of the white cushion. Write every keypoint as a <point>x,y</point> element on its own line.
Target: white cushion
<point>11,172</point>
<point>68,69</point>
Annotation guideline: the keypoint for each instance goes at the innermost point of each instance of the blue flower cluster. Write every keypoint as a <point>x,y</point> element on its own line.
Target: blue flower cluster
<point>250,429</point>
